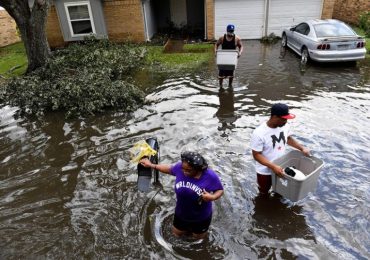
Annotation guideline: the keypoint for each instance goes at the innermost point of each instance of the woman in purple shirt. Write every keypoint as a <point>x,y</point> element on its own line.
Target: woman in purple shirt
<point>196,186</point>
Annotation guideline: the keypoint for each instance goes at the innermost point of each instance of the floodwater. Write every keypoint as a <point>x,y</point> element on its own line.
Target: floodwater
<point>67,190</point>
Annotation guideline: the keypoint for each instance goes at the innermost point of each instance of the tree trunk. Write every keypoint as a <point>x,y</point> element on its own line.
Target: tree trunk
<point>31,24</point>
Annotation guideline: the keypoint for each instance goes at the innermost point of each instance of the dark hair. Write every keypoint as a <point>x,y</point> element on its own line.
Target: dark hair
<point>195,160</point>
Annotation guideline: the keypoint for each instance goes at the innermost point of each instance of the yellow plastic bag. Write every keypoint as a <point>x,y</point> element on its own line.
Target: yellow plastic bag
<point>139,150</point>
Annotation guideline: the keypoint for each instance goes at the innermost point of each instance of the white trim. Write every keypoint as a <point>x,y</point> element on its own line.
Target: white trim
<point>146,31</point>
<point>267,16</point>
<point>91,19</point>
<point>322,8</point>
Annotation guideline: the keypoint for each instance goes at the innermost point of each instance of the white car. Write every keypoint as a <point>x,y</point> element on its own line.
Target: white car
<point>324,41</point>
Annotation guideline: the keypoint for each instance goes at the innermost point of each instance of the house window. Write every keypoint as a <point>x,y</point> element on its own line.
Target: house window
<point>80,19</point>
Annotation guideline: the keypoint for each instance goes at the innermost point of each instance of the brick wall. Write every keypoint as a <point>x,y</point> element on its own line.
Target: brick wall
<point>53,31</point>
<point>349,10</point>
<point>210,7</point>
<point>8,31</point>
<point>124,20</point>
<point>327,9</point>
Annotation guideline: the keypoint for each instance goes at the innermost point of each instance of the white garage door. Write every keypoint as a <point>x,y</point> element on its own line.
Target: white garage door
<point>249,16</point>
<point>246,15</point>
<point>285,13</point>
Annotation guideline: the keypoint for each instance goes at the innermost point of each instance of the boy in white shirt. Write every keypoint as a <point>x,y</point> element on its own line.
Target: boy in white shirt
<point>269,142</point>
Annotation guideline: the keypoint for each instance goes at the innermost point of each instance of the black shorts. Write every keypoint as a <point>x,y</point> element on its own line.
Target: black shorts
<point>225,73</point>
<point>196,227</point>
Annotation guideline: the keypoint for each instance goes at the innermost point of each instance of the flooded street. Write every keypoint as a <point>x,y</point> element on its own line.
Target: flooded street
<point>67,190</point>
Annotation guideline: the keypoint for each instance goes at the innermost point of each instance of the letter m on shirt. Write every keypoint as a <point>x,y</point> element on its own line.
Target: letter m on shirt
<point>277,140</point>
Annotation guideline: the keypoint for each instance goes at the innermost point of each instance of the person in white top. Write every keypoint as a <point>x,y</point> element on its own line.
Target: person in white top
<point>268,143</point>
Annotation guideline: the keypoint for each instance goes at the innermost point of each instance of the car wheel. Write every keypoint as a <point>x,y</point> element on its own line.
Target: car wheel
<point>284,40</point>
<point>305,56</point>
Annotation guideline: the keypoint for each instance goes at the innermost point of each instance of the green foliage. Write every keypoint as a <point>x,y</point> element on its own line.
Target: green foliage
<point>90,76</point>
<point>82,79</point>
<point>364,23</point>
<point>13,60</point>
<point>272,38</point>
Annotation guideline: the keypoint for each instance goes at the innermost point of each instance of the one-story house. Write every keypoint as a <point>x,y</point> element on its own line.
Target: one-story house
<point>139,20</point>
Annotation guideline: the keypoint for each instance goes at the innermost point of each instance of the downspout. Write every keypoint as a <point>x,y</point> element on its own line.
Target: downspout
<point>205,19</point>
<point>146,33</point>
<point>267,10</point>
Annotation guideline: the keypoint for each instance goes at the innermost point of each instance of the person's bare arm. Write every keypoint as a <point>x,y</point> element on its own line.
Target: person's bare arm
<point>294,143</point>
<point>264,161</point>
<point>165,168</point>
<point>239,45</point>
<point>218,43</point>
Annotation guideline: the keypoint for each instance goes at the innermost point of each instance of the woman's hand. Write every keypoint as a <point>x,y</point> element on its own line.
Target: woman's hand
<point>206,196</point>
<point>146,163</point>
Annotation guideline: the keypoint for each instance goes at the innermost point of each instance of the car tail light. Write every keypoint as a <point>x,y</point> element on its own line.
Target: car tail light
<point>360,44</point>
<point>324,46</point>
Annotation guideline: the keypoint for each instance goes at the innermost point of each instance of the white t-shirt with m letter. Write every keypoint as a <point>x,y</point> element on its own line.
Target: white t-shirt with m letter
<point>271,142</point>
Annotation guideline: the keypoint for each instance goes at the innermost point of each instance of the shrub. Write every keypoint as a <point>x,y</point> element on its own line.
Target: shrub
<point>364,23</point>
<point>82,79</point>
<point>271,38</point>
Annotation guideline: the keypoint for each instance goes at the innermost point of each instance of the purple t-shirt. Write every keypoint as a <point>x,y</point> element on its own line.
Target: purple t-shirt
<point>189,189</point>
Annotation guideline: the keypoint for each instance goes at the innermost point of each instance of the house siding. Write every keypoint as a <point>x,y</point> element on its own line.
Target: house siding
<point>124,20</point>
<point>349,10</point>
<point>97,19</point>
<point>8,29</point>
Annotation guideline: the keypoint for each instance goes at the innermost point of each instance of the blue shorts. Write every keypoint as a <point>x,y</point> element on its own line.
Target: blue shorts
<point>196,227</point>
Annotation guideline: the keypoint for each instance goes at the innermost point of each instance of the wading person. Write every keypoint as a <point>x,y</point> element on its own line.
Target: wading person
<point>196,186</point>
<point>229,41</point>
<point>268,143</point>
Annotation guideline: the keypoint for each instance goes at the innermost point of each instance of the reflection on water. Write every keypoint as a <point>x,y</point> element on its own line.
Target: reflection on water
<point>68,191</point>
<point>226,109</point>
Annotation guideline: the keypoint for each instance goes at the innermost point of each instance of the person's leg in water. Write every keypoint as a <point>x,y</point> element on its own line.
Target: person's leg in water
<point>177,232</point>
<point>197,230</point>
<point>231,81</point>
<point>230,75</point>
<point>220,81</point>
<point>264,184</point>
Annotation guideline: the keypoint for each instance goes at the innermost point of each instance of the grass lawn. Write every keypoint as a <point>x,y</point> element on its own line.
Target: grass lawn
<point>193,56</point>
<point>362,33</point>
<point>13,60</point>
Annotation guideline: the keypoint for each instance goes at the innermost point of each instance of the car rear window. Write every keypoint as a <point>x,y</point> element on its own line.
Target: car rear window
<point>330,30</point>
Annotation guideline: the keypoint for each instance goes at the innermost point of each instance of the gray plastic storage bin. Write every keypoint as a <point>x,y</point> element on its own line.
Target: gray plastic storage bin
<point>291,188</point>
<point>227,59</point>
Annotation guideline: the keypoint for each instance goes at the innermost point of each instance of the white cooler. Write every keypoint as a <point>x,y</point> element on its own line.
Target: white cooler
<point>227,59</point>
